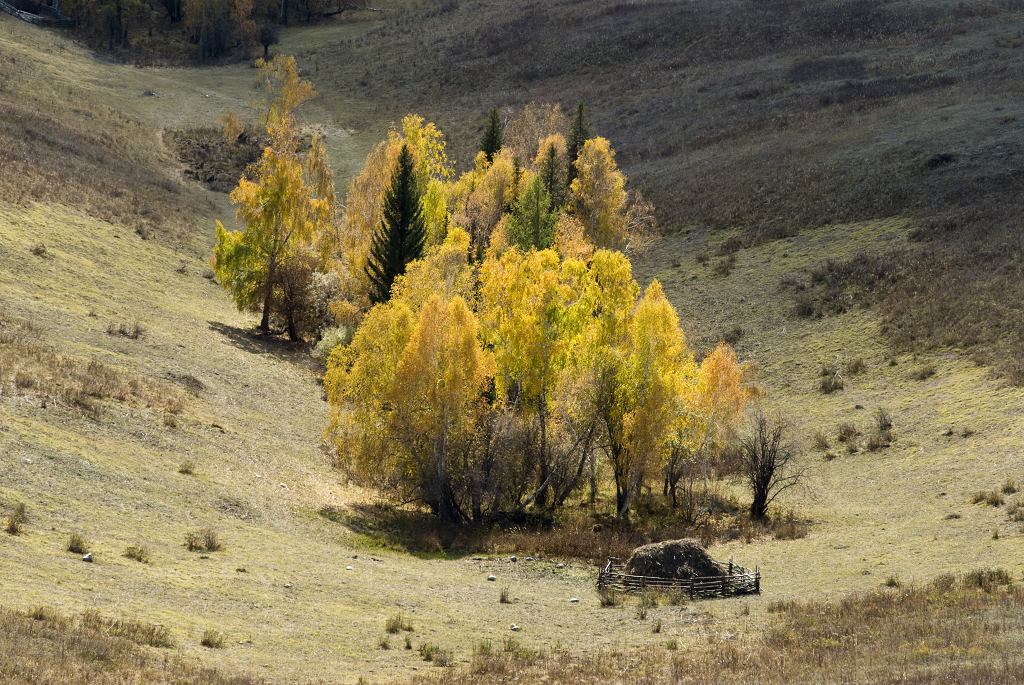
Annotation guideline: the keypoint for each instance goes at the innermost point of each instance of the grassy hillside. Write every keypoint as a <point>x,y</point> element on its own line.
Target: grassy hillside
<point>196,392</point>
<point>769,116</point>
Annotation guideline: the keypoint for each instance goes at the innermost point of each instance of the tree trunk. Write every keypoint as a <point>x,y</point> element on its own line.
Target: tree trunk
<point>268,295</point>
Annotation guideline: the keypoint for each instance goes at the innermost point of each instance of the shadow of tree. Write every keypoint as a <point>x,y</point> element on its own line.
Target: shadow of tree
<point>253,342</point>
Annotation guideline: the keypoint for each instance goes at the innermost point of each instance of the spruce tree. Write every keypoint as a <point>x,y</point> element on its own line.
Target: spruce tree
<point>552,174</point>
<point>491,142</point>
<point>577,136</point>
<point>402,233</point>
<point>531,223</point>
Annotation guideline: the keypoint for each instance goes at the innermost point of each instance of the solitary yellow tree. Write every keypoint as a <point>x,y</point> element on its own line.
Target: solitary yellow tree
<point>281,209</point>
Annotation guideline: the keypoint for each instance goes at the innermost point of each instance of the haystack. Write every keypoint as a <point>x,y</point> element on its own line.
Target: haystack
<point>672,559</point>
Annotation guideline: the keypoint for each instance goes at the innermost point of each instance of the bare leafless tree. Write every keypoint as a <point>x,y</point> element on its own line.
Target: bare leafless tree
<point>768,461</point>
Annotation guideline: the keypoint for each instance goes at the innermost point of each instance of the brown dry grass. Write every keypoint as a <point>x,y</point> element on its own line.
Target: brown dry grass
<point>967,630</point>
<point>45,646</point>
<point>31,369</point>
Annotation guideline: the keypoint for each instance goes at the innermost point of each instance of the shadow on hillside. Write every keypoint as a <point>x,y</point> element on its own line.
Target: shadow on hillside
<point>253,342</point>
<point>406,530</point>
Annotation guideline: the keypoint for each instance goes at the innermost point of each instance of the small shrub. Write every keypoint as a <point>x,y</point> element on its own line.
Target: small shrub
<point>384,642</point>
<point>204,540</point>
<point>16,519</point>
<point>609,597</point>
<point>847,433</point>
<point>925,372</point>
<point>212,639</point>
<point>856,367</point>
<point>987,579</point>
<point>992,498</point>
<point>821,441</point>
<point>648,600</point>
<point>137,553</point>
<point>39,250</point>
<point>77,544</point>
<point>656,628</point>
<point>831,379</point>
<point>803,306</point>
<point>883,419</point>
<point>24,380</point>
<point>408,642</point>
<point>429,651</point>
<point>1009,487</point>
<point>187,468</point>
<point>892,581</point>
<point>725,265</point>
<point>504,598</point>
<point>133,330</point>
<point>672,645</point>
<point>879,440</point>
<point>641,613</point>
<point>397,623</point>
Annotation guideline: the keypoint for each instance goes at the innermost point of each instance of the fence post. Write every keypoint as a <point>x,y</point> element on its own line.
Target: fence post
<point>730,567</point>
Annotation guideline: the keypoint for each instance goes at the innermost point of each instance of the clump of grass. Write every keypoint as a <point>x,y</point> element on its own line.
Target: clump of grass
<point>408,641</point>
<point>39,250</point>
<point>820,441</point>
<point>213,639</point>
<point>397,623</point>
<point>187,468</point>
<point>77,544</point>
<point>504,597</point>
<point>883,420</point>
<point>879,440</point>
<point>923,373</point>
<point>987,579</point>
<point>789,527</point>
<point>1016,512</point>
<point>139,632</point>
<point>1009,487</point>
<point>892,581</point>
<point>384,642</point>
<point>137,553</point>
<point>16,519</point>
<point>672,645</point>
<point>725,265</point>
<point>831,379</point>
<point>641,613</point>
<point>205,540</point>
<point>855,367</point>
<point>847,433</point>
<point>992,498</point>
<point>434,654</point>
<point>41,613</point>
<point>133,330</point>
<point>656,628</point>
<point>609,597</point>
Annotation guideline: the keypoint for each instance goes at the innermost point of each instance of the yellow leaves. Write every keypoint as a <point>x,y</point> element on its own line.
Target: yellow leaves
<point>599,194</point>
<point>285,92</point>
<point>443,270</point>
<point>441,374</point>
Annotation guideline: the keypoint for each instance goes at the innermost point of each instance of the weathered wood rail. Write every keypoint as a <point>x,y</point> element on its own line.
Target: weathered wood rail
<point>52,18</point>
<point>735,580</point>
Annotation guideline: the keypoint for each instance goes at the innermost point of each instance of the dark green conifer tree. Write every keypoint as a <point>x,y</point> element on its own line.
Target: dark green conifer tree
<point>491,142</point>
<point>577,136</point>
<point>552,174</point>
<point>402,233</point>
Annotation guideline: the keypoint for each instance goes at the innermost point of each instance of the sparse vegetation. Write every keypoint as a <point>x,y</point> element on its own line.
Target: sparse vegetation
<point>213,639</point>
<point>16,519</point>
<point>187,468</point>
<point>205,540</point>
<point>77,544</point>
<point>139,553</point>
<point>133,330</point>
<point>992,498</point>
<point>398,623</point>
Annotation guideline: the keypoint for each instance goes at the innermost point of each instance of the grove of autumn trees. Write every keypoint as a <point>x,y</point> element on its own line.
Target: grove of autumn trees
<point>497,355</point>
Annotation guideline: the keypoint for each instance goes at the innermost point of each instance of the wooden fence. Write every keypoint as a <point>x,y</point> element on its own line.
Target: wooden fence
<point>55,19</point>
<point>735,580</point>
